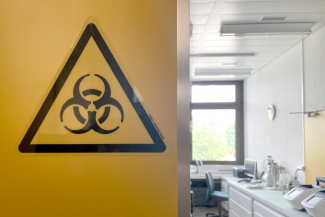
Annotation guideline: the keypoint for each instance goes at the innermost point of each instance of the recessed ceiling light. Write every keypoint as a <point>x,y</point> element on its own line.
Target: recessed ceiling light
<point>273,18</point>
<point>266,29</point>
<point>229,64</point>
<point>219,76</point>
<point>223,54</point>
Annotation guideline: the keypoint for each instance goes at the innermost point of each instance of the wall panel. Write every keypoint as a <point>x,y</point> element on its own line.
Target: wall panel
<point>314,72</point>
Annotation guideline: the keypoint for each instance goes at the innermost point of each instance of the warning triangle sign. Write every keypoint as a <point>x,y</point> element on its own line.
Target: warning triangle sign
<point>92,107</point>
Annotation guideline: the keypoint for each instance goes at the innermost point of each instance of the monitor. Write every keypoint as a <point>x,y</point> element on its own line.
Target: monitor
<point>250,168</point>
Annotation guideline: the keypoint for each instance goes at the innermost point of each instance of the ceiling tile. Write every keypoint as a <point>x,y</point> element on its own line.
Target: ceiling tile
<point>215,28</point>
<point>195,37</point>
<point>254,18</point>
<point>258,58</point>
<point>193,43</point>
<point>201,9</point>
<point>217,36</point>
<point>198,28</point>
<point>243,49</point>
<point>199,19</point>
<point>273,7</point>
<point>207,19</point>
<point>250,42</point>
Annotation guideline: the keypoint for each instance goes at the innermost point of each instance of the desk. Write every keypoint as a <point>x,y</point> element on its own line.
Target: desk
<point>258,202</point>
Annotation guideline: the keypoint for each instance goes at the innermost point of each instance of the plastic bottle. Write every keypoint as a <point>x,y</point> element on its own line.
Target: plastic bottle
<point>268,175</point>
<point>275,176</point>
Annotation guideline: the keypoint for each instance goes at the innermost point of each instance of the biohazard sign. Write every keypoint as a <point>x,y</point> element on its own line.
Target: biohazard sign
<point>92,107</point>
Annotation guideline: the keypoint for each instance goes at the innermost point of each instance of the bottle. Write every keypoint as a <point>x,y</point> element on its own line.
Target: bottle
<point>275,176</point>
<point>267,177</point>
<point>267,160</point>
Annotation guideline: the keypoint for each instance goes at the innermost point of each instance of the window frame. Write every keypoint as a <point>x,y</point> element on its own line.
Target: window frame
<point>238,105</point>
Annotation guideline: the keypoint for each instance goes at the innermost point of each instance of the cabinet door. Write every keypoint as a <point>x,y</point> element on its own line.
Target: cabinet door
<point>237,208</point>
<point>256,214</point>
<point>264,211</point>
<point>232,213</point>
<point>240,198</point>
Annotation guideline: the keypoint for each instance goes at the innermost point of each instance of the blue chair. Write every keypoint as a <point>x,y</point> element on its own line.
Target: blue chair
<point>211,193</point>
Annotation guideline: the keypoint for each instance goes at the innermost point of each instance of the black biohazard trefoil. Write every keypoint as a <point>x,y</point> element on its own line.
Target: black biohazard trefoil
<point>90,122</point>
<point>104,100</point>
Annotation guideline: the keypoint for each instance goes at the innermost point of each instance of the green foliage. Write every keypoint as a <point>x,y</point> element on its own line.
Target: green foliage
<point>210,145</point>
<point>231,135</point>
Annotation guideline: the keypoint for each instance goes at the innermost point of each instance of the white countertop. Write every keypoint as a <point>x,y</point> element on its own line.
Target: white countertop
<point>271,198</point>
<point>214,175</point>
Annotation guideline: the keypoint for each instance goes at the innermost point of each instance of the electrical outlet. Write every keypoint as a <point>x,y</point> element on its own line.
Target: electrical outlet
<point>300,167</point>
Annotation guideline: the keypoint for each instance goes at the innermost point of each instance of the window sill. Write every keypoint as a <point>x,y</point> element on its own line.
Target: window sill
<point>217,169</point>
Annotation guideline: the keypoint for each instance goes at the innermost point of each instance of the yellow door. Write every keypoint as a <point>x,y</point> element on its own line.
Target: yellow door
<point>105,161</point>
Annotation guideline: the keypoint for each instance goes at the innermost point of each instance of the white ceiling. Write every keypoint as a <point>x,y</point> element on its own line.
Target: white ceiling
<point>207,17</point>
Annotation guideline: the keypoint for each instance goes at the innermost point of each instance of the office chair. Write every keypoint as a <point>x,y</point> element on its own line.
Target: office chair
<point>220,196</point>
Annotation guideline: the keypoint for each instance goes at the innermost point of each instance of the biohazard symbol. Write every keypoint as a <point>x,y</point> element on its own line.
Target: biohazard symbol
<point>104,100</point>
<point>92,109</point>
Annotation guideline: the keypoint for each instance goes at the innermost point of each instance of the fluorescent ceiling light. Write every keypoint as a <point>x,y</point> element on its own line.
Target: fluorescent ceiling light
<point>229,64</point>
<point>274,18</point>
<point>266,29</point>
<point>211,65</point>
<point>219,76</point>
<point>221,72</point>
<point>223,54</point>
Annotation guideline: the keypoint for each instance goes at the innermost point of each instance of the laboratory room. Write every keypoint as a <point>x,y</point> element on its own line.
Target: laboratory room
<point>257,75</point>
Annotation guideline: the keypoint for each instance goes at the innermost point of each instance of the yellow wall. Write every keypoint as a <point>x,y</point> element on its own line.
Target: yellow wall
<point>35,38</point>
<point>314,147</point>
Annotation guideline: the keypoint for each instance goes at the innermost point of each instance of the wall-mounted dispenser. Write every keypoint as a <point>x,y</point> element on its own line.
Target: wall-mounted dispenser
<point>308,114</point>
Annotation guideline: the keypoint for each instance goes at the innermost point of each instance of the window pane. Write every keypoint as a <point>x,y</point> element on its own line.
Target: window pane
<point>213,93</point>
<point>214,134</point>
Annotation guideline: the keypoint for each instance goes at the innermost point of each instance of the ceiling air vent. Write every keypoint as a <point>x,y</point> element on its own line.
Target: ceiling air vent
<point>279,18</point>
<point>266,29</point>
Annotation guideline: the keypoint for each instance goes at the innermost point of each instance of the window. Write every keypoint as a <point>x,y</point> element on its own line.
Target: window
<point>217,122</point>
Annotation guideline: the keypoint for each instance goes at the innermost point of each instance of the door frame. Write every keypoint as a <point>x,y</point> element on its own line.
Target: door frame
<point>183,108</point>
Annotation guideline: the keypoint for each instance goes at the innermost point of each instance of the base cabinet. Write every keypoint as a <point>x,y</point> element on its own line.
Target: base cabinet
<point>232,213</point>
<point>256,214</point>
<point>264,211</point>
<point>244,206</point>
<point>224,188</point>
<point>238,209</point>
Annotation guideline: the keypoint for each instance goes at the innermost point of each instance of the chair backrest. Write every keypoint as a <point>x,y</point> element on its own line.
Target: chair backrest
<point>210,184</point>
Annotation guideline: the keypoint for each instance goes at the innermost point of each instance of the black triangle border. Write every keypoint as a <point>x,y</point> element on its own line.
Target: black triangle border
<point>26,146</point>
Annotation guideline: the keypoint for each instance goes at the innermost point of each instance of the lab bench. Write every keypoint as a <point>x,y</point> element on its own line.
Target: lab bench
<point>245,202</point>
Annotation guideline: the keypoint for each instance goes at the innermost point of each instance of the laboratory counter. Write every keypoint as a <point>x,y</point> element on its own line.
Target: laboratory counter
<point>201,176</point>
<point>257,202</point>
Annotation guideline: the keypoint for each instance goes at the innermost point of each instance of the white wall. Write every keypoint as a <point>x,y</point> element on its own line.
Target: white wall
<point>279,84</point>
<point>314,70</point>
